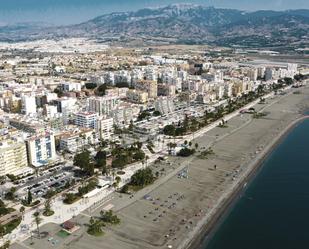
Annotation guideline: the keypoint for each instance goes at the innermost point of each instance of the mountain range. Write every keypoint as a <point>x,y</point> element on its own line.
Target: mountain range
<point>182,23</point>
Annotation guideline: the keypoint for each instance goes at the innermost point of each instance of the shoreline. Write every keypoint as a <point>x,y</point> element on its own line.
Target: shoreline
<point>208,226</point>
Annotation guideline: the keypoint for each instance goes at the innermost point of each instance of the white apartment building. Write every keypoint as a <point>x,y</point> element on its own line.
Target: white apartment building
<point>86,119</point>
<point>71,86</point>
<point>164,105</point>
<point>103,105</point>
<point>50,111</point>
<point>65,104</point>
<point>41,149</point>
<point>105,128</point>
<point>51,96</point>
<point>28,105</point>
<point>77,140</point>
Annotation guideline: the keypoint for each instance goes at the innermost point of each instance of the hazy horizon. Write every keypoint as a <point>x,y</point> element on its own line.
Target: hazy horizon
<point>62,12</point>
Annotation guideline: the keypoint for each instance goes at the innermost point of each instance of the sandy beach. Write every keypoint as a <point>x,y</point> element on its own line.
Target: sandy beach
<point>180,210</point>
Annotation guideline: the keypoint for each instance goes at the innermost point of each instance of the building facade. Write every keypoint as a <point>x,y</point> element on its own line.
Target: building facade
<point>41,149</point>
<point>13,157</point>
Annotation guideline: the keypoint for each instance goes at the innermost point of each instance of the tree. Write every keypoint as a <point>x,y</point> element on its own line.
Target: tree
<point>69,198</point>
<point>299,77</point>
<point>47,208</point>
<point>100,159</point>
<point>115,185</point>
<point>142,177</point>
<point>82,160</point>
<point>101,90</point>
<point>2,231</point>
<point>36,170</point>
<point>59,92</point>
<point>29,197</point>
<point>50,193</point>
<point>6,245</point>
<point>146,159</point>
<point>169,130</point>
<point>22,210</point>
<point>131,125</point>
<point>95,227</point>
<point>125,189</point>
<point>90,85</point>
<point>118,179</point>
<point>143,115</point>
<point>3,209</point>
<point>37,220</point>
<point>122,85</point>
<point>109,217</point>
<point>139,155</point>
<point>196,146</point>
<point>104,170</point>
<point>156,113</point>
<point>10,195</point>
<point>288,81</point>
<point>185,152</point>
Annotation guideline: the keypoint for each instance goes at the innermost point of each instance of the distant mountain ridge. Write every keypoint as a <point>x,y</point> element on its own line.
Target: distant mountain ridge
<point>187,23</point>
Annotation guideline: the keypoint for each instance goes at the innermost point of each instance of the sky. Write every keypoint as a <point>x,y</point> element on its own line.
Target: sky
<point>63,12</point>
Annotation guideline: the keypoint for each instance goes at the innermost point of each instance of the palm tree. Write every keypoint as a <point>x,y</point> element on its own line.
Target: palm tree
<point>37,220</point>
<point>47,208</point>
<point>113,174</point>
<point>2,231</point>
<point>115,185</point>
<point>118,179</point>
<point>196,146</point>
<point>36,170</point>
<point>22,210</point>
<point>146,159</point>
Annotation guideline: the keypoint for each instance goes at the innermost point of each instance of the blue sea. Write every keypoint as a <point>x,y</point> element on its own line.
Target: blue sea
<point>273,212</point>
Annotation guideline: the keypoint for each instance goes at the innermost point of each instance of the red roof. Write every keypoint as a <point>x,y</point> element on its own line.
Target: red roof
<point>68,225</point>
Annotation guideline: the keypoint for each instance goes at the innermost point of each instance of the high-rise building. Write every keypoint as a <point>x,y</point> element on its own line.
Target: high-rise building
<point>164,105</point>
<point>105,128</point>
<point>13,157</point>
<point>41,149</point>
<point>103,105</point>
<point>137,96</point>
<point>268,74</point>
<point>253,74</point>
<point>28,105</point>
<point>86,119</point>
<point>149,86</point>
<point>71,86</point>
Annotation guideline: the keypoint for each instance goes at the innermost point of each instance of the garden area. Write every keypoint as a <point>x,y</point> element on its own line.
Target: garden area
<point>70,198</point>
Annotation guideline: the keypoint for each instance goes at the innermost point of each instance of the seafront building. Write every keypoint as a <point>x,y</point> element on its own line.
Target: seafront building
<point>41,149</point>
<point>13,157</point>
